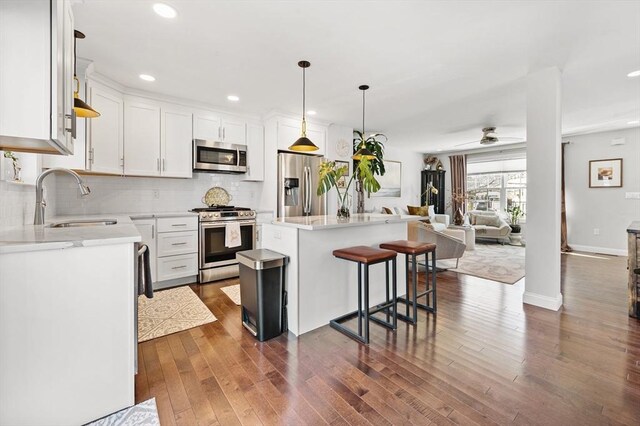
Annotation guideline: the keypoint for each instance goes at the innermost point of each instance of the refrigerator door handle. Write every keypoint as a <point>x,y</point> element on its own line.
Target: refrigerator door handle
<point>307,190</point>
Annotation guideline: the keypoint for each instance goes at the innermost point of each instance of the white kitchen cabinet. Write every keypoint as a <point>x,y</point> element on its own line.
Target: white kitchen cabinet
<point>181,223</point>
<point>173,243</point>
<point>105,134</point>
<point>141,137</point>
<point>176,142</point>
<point>175,267</point>
<point>68,334</point>
<point>288,131</point>
<point>255,153</point>
<point>234,130</point>
<point>147,230</point>
<point>207,126</point>
<point>36,76</point>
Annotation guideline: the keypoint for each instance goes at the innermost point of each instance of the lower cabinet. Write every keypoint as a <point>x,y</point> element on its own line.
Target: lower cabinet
<point>173,244</point>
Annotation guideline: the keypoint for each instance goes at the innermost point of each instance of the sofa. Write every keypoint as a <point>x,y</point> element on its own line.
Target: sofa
<point>450,243</point>
<point>489,225</point>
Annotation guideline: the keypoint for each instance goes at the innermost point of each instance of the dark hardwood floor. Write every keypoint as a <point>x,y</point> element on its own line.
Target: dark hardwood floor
<point>483,359</point>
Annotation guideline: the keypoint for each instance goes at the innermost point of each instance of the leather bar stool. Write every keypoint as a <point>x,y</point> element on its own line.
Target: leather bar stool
<point>366,256</point>
<point>411,250</point>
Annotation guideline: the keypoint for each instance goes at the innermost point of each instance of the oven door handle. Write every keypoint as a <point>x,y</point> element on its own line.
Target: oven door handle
<point>223,224</point>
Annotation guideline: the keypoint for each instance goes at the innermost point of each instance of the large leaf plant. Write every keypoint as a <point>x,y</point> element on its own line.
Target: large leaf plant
<point>330,173</point>
<point>375,144</point>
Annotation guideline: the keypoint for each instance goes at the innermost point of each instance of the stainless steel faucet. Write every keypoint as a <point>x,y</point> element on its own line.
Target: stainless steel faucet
<point>41,204</point>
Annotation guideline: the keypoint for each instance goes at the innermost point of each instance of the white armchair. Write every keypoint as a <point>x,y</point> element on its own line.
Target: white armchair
<point>450,243</point>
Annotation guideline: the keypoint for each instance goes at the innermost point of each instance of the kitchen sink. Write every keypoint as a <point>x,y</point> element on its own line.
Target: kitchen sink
<point>84,222</point>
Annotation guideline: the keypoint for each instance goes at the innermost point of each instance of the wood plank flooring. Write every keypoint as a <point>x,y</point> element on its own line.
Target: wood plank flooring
<point>484,359</point>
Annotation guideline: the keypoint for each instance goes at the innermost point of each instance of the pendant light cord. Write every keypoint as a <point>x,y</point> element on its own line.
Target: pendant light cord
<point>304,91</point>
<point>363,103</point>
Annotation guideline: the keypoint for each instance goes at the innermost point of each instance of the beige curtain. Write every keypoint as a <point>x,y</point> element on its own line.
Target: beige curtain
<point>458,181</point>
<point>564,245</point>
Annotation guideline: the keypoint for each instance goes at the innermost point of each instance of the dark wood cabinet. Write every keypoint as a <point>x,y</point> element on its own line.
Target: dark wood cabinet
<point>435,178</point>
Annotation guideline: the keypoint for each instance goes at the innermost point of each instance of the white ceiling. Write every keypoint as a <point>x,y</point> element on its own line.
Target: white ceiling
<point>439,71</point>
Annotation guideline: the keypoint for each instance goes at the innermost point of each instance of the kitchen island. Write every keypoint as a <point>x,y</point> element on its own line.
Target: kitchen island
<point>321,287</point>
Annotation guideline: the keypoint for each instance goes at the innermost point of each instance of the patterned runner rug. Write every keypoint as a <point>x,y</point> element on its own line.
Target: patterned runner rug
<point>143,414</point>
<point>492,261</point>
<point>233,291</point>
<point>170,311</point>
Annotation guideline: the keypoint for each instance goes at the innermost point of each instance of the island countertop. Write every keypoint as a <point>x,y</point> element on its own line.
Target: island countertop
<point>313,223</point>
<point>634,227</point>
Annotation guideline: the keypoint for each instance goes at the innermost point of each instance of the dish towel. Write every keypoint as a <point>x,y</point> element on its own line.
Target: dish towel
<point>145,284</point>
<point>232,237</point>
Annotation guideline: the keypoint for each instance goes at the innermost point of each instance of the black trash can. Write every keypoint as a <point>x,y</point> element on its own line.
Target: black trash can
<point>264,299</point>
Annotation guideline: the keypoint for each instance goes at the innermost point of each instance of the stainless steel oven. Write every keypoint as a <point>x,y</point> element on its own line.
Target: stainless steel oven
<point>216,260</point>
<point>210,156</point>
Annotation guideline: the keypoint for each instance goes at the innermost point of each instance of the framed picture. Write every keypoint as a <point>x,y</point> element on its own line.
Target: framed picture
<point>391,182</point>
<point>342,182</point>
<point>605,173</point>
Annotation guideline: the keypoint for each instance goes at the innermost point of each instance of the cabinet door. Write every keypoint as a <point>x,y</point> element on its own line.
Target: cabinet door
<point>62,74</point>
<point>318,135</point>
<point>255,153</point>
<point>147,230</point>
<point>141,138</point>
<point>206,125</point>
<point>234,131</point>
<point>177,143</point>
<point>105,135</point>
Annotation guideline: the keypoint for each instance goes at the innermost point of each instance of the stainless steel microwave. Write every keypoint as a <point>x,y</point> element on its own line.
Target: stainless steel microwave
<point>210,156</point>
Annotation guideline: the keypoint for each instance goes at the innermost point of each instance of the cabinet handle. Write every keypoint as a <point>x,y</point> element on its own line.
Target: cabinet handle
<point>178,244</point>
<point>91,158</point>
<point>158,164</point>
<point>122,162</point>
<point>224,133</point>
<point>163,168</point>
<point>179,224</point>
<point>179,267</point>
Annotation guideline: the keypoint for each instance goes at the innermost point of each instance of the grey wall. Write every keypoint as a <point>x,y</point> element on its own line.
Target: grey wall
<point>602,208</point>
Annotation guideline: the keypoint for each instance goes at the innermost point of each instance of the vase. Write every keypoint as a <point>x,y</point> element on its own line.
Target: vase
<point>458,217</point>
<point>344,207</point>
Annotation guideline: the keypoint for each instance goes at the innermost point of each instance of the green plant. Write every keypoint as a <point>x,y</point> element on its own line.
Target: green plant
<point>375,146</point>
<point>329,175</point>
<point>515,213</point>
<point>11,156</point>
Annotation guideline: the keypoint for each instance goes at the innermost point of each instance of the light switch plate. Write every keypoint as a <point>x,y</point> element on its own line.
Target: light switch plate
<point>632,195</point>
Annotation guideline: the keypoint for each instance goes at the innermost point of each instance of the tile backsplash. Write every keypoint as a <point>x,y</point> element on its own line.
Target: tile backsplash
<point>17,202</point>
<point>114,194</point>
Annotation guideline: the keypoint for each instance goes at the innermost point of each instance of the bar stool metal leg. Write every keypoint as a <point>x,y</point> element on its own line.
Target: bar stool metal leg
<point>360,299</point>
<point>366,304</point>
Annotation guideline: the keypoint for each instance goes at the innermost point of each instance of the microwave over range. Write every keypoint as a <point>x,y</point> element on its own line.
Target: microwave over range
<point>220,157</point>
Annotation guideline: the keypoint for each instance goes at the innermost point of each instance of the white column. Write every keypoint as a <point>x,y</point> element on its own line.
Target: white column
<point>544,120</point>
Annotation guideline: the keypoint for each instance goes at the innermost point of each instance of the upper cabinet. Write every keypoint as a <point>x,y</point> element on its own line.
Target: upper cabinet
<point>157,139</point>
<point>255,153</point>
<point>210,126</point>
<point>288,131</point>
<point>36,76</point>
<point>176,142</point>
<point>142,137</point>
<point>105,135</point>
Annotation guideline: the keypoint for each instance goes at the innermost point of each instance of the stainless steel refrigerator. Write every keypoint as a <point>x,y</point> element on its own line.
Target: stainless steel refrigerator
<point>297,185</point>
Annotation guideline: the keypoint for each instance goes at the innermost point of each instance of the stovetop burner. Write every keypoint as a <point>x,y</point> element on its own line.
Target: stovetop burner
<point>220,209</point>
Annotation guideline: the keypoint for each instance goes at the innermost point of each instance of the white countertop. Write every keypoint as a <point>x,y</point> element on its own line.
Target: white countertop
<point>314,223</point>
<point>41,237</point>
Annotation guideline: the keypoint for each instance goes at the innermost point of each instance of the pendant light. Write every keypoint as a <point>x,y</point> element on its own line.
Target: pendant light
<point>81,108</point>
<point>363,152</point>
<point>303,143</point>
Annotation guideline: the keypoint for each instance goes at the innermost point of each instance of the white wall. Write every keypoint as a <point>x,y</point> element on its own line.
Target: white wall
<point>603,208</point>
<point>112,194</point>
<point>410,194</point>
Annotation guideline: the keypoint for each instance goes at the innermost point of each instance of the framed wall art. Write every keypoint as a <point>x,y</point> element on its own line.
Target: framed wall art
<point>391,182</point>
<point>605,173</point>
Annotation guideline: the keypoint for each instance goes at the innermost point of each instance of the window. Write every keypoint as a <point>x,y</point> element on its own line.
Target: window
<point>497,191</point>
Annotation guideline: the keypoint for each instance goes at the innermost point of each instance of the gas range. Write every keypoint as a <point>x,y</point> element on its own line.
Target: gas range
<point>224,213</point>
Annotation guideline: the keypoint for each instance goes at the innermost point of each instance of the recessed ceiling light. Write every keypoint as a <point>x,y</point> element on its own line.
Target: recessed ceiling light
<point>165,10</point>
<point>633,122</point>
<point>311,112</point>
<point>635,73</point>
<point>233,98</point>
<point>147,77</point>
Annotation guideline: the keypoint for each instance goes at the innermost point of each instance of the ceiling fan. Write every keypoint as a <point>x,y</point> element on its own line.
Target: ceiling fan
<point>489,137</point>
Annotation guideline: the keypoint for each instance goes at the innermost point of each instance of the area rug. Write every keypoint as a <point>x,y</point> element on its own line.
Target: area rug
<point>170,311</point>
<point>233,291</point>
<point>497,262</point>
<point>143,414</point>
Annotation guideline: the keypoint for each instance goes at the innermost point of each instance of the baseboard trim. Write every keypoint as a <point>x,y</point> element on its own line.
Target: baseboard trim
<point>541,301</point>
<point>600,250</point>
